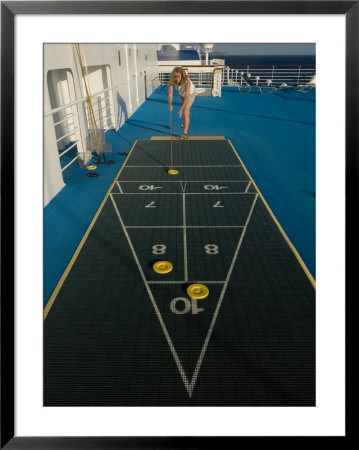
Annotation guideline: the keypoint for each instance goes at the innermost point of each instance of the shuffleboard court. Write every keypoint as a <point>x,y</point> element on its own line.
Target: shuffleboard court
<point>117,332</point>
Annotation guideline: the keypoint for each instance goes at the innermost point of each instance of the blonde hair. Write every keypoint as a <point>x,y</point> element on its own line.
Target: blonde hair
<point>182,72</point>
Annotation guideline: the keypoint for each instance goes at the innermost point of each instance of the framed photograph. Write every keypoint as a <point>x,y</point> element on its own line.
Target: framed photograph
<point>34,414</point>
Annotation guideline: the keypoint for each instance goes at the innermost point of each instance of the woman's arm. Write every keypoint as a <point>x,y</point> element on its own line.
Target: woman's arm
<point>170,95</point>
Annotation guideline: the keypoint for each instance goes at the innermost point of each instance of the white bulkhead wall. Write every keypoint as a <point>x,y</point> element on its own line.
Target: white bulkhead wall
<point>131,74</point>
<point>56,57</point>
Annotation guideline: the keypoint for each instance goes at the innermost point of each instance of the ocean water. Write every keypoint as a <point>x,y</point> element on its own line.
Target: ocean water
<point>280,60</point>
<point>279,68</point>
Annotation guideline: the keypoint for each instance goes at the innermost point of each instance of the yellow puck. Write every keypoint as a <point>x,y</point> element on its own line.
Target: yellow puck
<point>91,167</point>
<point>162,267</point>
<point>198,291</point>
<point>172,171</point>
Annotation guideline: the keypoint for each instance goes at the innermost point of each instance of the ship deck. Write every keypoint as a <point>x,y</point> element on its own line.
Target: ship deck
<point>238,218</point>
<point>273,134</point>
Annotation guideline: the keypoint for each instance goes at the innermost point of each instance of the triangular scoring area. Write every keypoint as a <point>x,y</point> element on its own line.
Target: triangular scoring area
<point>188,321</point>
<point>188,324</point>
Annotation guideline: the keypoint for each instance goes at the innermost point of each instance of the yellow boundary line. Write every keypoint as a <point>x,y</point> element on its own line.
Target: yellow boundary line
<point>81,244</point>
<point>190,138</point>
<point>296,254</point>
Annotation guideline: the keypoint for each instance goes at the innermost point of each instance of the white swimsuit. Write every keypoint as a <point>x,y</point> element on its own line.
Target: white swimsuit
<point>182,88</point>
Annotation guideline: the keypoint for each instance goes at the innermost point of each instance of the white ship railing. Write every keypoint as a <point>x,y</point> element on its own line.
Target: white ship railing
<point>249,76</point>
<point>66,123</point>
<point>67,130</point>
<point>66,119</point>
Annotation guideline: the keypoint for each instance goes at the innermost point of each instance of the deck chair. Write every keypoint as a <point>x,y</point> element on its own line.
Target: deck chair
<point>307,87</point>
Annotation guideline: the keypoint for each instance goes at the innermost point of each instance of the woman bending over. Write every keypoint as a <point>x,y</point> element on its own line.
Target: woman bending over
<point>187,93</point>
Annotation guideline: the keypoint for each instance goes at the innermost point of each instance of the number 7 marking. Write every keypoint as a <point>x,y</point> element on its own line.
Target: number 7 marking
<point>218,205</point>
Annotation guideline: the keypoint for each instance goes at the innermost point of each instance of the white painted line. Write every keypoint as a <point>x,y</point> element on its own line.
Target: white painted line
<point>119,187</point>
<point>187,193</point>
<point>184,237</point>
<point>169,341</point>
<point>204,348</point>
<point>241,240</point>
<point>161,167</point>
<point>247,187</point>
<point>187,181</point>
<point>164,227</point>
<point>181,226</point>
<point>185,281</point>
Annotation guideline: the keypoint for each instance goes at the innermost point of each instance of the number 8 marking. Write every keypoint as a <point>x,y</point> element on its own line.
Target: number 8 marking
<point>159,249</point>
<point>211,249</point>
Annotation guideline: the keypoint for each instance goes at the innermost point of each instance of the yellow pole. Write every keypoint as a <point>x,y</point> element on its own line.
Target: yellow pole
<point>87,88</point>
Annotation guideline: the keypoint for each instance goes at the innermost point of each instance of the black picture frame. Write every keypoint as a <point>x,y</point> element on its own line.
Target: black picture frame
<point>9,9</point>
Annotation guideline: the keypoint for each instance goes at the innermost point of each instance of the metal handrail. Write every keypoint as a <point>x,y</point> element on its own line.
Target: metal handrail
<point>64,136</point>
<point>106,119</point>
<point>68,149</point>
<point>259,75</point>
<point>69,164</point>
<point>82,100</point>
<point>63,120</point>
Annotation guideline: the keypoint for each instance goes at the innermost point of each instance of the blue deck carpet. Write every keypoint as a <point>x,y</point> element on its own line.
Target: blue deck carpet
<point>273,134</point>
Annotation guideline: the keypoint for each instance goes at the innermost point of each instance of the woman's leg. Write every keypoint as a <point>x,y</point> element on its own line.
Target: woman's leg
<point>182,100</point>
<point>186,113</point>
<point>186,119</point>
